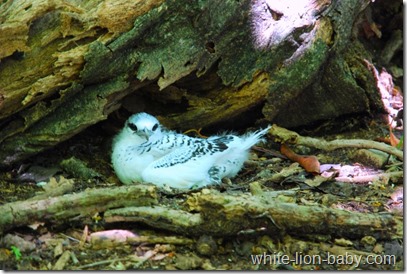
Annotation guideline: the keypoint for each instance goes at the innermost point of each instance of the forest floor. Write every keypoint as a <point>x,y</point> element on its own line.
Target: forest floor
<point>67,245</point>
<point>90,242</point>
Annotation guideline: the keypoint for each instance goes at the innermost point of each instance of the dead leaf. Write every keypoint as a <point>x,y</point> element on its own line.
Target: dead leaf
<point>317,180</point>
<point>343,242</point>
<point>56,188</point>
<point>62,261</point>
<point>110,238</point>
<point>58,250</point>
<point>309,163</point>
<point>394,141</point>
<point>192,261</point>
<point>84,236</point>
<point>159,257</point>
<point>5,254</point>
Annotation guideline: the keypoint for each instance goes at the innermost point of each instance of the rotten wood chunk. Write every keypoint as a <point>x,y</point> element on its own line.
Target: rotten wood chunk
<point>66,67</point>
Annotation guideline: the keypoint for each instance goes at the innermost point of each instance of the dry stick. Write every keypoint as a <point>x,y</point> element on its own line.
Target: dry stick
<point>370,178</point>
<point>285,135</point>
<point>160,240</point>
<point>104,241</point>
<point>100,263</point>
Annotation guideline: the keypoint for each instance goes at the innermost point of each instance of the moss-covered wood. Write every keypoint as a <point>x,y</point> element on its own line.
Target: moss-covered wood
<point>208,212</point>
<point>72,206</point>
<point>68,65</point>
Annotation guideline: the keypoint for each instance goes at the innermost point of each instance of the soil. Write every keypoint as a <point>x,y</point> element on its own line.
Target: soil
<point>70,245</point>
<point>46,246</point>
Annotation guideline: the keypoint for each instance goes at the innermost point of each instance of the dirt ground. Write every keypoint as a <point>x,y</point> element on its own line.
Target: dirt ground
<point>68,245</point>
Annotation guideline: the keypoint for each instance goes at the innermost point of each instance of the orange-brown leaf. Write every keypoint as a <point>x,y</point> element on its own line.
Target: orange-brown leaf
<point>285,150</point>
<point>394,141</point>
<point>309,163</point>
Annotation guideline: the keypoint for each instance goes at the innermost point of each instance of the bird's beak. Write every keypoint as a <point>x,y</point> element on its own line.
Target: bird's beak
<point>146,133</point>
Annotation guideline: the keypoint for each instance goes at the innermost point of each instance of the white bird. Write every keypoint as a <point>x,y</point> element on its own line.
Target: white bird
<point>145,151</point>
<point>127,161</point>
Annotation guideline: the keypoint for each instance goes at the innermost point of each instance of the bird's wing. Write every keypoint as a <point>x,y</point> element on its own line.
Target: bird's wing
<point>161,145</point>
<point>165,144</point>
<point>192,148</point>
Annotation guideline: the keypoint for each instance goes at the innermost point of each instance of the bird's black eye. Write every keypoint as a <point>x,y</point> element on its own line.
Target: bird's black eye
<point>155,127</point>
<point>132,126</point>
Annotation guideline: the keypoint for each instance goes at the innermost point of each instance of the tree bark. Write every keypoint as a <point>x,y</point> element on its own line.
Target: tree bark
<point>65,67</point>
<point>73,206</point>
<point>215,214</point>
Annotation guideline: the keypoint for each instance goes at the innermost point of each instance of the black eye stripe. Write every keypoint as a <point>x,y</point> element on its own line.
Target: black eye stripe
<point>132,126</point>
<point>155,127</point>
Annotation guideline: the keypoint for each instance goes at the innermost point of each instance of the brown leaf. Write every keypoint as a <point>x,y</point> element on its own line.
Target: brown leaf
<point>309,163</point>
<point>394,141</point>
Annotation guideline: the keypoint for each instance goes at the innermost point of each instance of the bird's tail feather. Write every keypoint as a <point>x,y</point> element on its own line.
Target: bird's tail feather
<point>252,138</point>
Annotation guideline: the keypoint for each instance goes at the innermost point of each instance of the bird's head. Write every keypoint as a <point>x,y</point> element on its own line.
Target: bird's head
<point>143,125</point>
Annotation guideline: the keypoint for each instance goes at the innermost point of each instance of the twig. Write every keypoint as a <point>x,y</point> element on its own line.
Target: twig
<point>285,135</point>
<point>100,263</point>
<point>370,178</point>
<point>70,238</point>
<point>160,240</point>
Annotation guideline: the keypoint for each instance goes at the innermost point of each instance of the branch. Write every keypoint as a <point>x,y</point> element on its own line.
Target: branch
<point>225,215</point>
<point>65,207</point>
<point>215,213</point>
<point>285,135</point>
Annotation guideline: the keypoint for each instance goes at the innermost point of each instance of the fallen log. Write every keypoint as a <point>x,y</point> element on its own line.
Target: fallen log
<point>208,212</point>
<point>226,215</point>
<point>66,67</point>
<point>71,206</point>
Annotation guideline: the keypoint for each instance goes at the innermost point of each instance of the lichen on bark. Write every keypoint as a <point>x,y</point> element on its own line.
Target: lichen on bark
<point>194,60</point>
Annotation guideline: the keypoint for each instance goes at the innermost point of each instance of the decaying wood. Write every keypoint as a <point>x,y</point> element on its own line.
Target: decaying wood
<point>62,261</point>
<point>65,66</point>
<point>394,176</point>
<point>72,206</point>
<point>223,215</point>
<point>214,213</point>
<point>179,221</point>
<point>106,239</point>
<point>284,135</point>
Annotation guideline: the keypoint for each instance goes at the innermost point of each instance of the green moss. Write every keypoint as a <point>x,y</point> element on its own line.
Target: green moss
<point>78,169</point>
<point>69,118</point>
